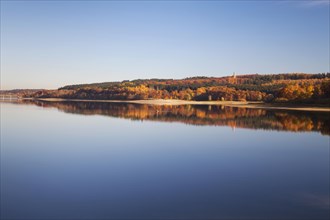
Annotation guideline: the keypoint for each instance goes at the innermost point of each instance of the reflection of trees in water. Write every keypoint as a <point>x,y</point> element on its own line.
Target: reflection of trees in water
<point>202,115</point>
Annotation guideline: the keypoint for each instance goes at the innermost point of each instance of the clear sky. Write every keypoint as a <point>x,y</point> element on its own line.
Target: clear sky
<point>48,44</point>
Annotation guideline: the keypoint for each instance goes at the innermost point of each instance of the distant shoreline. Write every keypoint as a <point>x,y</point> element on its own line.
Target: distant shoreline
<point>258,105</point>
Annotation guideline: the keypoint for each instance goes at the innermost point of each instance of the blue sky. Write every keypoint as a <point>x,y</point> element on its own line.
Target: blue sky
<point>48,44</point>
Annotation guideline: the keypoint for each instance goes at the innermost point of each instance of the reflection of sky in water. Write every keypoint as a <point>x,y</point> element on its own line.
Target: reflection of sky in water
<point>71,166</point>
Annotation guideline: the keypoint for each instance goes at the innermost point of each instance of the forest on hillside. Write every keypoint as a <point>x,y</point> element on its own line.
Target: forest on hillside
<point>293,87</point>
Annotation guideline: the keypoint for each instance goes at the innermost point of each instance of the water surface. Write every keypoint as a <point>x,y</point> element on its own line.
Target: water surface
<point>72,160</point>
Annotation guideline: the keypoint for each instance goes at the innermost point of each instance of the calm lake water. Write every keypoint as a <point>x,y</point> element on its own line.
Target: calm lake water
<point>66,160</point>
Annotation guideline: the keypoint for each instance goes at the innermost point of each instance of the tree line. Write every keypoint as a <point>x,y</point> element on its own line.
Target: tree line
<point>293,87</point>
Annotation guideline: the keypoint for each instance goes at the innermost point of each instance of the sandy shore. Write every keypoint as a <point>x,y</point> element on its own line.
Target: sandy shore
<point>260,105</point>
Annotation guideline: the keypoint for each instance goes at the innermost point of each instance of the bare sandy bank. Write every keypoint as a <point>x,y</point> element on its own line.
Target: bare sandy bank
<point>260,105</point>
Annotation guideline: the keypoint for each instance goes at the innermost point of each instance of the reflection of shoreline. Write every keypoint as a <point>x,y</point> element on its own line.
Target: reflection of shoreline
<point>259,105</point>
<point>213,115</point>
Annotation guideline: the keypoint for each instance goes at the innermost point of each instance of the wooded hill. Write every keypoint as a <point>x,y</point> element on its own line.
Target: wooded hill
<point>293,87</point>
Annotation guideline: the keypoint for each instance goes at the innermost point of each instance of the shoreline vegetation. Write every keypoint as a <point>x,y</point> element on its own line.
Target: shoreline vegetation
<point>289,91</point>
<point>257,105</point>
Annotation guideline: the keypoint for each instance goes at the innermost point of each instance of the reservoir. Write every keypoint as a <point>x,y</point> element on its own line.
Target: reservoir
<point>88,160</point>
